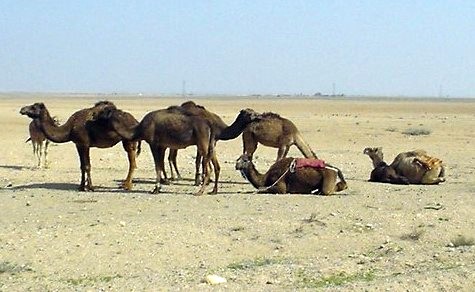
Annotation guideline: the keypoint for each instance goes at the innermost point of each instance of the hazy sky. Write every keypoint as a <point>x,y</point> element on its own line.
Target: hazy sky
<point>375,47</point>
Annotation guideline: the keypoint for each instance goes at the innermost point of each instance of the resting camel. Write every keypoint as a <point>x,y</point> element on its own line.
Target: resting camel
<point>272,130</point>
<point>177,128</point>
<point>85,133</point>
<point>413,167</point>
<point>286,176</point>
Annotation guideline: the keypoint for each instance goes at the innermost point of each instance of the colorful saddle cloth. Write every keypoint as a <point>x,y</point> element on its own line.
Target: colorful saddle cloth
<point>309,162</point>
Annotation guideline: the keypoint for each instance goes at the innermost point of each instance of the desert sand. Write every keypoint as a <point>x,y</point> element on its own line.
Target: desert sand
<point>370,237</point>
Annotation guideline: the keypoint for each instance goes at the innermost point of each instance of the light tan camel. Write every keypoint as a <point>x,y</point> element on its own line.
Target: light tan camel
<point>272,130</point>
<point>284,177</point>
<point>85,133</point>
<point>414,167</point>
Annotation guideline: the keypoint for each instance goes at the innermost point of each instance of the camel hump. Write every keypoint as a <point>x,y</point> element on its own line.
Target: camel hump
<point>428,162</point>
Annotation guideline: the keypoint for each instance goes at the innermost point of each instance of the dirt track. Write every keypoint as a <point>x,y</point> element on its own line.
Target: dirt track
<point>369,237</point>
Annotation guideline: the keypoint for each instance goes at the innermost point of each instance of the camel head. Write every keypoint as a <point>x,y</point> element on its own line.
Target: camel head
<point>103,110</point>
<point>248,115</point>
<point>374,152</point>
<point>33,111</point>
<point>243,162</point>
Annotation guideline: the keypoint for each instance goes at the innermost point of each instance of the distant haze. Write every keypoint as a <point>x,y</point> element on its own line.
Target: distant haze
<point>409,48</point>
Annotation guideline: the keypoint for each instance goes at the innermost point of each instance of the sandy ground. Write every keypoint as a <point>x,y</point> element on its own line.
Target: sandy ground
<point>369,237</point>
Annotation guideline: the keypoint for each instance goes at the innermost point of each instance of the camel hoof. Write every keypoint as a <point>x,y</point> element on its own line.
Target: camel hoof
<point>213,192</point>
<point>155,191</point>
<point>164,181</point>
<point>127,187</point>
<point>198,194</point>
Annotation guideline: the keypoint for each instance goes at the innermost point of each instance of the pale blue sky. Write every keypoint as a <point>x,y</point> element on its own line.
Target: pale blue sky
<point>412,48</point>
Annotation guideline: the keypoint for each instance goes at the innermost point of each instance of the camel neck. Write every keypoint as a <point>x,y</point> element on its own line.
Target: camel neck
<point>57,134</point>
<point>253,176</point>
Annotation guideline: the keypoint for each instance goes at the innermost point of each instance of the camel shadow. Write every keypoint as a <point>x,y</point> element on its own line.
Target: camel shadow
<point>48,186</point>
<point>71,187</point>
<point>14,167</point>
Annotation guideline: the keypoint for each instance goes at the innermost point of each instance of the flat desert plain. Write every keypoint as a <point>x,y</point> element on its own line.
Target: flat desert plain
<point>371,236</point>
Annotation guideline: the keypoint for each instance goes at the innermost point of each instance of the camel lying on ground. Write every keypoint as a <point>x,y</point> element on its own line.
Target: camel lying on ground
<point>285,176</point>
<point>272,130</point>
<point>413,167</point>
<point>85,133</point>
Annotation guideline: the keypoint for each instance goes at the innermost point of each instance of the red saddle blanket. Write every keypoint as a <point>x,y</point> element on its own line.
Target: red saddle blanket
<point>309,162</point>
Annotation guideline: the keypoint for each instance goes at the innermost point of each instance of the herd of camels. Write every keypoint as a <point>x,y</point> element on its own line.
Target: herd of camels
<point>177,127</point>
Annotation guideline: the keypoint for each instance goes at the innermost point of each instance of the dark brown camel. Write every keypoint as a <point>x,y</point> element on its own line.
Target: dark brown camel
<point>85,133</point>
<point>413,167</point>
<point>282,177</point>
<point>177,128</point>
<point>272,130</point>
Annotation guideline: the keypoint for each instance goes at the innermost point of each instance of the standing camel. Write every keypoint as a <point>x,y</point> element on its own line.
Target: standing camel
<point>39,142</point>
<point>191,108</point>
<point>177,127</point>
<point>413,167</point>
<point>272,130</point>
<point>85,133</point>
<point>286,176</point>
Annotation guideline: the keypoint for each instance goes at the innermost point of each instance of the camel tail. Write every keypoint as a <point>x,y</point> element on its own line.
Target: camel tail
<point>338,171</point>
<point>139,148</point>
<point>304,147</point>
<point>28,140</point>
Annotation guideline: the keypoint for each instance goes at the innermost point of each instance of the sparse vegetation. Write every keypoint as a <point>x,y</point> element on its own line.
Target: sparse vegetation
<point>391,129</point>
<point>462,240</point>
<point>417,132</point>
<point>307,281</point>
<point>414,235</point>
<point>254,263</point>
<point>88,280</point>
<point>13,268</point>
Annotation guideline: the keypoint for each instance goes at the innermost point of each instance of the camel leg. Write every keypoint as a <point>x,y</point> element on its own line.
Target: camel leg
<point>282,152</point>
<point>46,153</point>
<point>432,177</point>
<point>279,188</point>
<point>217,170</point>
<point>86,182</point>
<point>198,161</point>
<point>172,156</point>
<point>249,144</point>
<point>131,148</point>
<point>329,185</point>
<point>37,152</point>
<point>206,151</point>
<point>158,157</point>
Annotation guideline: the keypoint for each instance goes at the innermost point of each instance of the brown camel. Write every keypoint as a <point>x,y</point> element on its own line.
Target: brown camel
<point>285,177</point>
<point>39,142</point>
<point>191,108</point>
<point>85,133</point>
<point>272,130</point>
<point>176,127</point>
<point>413,167</point>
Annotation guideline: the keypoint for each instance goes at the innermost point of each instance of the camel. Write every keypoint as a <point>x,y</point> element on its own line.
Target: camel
<point>177,127</point>
<point>85,133</point>
<point>39,142</point>
<point>413,167</point>
<point>284,176</point>
<point>272,130</point>
<point>191,108</point>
